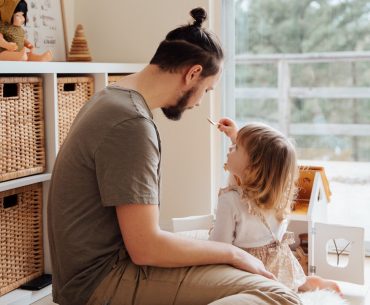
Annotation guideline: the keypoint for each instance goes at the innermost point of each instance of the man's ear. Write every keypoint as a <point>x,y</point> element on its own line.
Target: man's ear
<point>193,74</point>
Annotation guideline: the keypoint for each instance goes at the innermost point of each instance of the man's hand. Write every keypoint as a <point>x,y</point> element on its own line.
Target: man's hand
<point>247,262</point>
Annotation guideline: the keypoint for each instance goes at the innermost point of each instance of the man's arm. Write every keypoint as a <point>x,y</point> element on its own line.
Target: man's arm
<point>147,244</point>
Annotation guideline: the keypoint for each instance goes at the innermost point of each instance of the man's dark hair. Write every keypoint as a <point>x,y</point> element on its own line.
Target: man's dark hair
<point>190,45</point>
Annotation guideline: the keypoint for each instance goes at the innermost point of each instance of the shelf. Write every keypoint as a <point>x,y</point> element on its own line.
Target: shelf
<point>17,67</point>
<point>50,71</point>
<point>12,184</point>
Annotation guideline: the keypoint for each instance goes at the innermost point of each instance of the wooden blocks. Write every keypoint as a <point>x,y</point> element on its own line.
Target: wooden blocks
<point>79,50</point>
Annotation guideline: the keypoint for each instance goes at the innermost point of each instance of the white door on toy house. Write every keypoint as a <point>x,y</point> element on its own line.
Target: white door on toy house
<point>335,252</point>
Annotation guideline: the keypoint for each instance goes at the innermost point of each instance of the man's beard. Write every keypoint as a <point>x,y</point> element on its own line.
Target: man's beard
<point>175,112</point>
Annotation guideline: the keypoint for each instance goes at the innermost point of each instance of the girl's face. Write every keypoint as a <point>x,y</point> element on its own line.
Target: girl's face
<point>18,19</point>
<point>237,160</point>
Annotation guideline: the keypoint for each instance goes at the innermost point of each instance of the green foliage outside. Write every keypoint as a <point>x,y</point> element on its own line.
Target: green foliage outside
<point>305,26</point>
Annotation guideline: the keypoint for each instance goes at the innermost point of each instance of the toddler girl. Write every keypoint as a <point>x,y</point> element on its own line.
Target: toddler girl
<point>252,212</point>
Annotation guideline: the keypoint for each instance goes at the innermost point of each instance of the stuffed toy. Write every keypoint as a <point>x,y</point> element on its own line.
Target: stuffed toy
<point>13,43</point>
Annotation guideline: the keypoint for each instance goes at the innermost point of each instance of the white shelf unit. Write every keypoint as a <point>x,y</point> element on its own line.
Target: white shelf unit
<point>49,72</point>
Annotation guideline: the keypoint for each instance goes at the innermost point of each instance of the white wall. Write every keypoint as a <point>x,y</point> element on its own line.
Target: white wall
<point>130,31</point>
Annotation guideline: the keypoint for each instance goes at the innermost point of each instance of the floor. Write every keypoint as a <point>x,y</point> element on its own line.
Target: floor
<point>45,301</point>
<point>354,294</point>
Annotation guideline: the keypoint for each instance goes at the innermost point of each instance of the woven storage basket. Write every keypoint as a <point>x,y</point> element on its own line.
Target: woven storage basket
<point>113,78</point>
<point>73,93</point>
<point>21,251</point>
<point>22,148</point>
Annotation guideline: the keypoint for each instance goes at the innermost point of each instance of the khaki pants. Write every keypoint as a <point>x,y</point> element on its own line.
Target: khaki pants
<point>128,284</point>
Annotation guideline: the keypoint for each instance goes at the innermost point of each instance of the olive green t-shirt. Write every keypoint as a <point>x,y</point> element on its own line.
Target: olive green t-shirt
<point>110,157</point>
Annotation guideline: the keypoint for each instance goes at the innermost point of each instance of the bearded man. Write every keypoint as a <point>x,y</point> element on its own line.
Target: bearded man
<point>105,241</point>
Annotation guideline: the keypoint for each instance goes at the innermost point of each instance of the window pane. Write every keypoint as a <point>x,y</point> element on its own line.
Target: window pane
<point>344,111</point>
<point>260,110</point>
<point>334,148</point>
<point>291,72</point>
<point>256,75</point>
<point>340,74</point>
<point>296,26</point>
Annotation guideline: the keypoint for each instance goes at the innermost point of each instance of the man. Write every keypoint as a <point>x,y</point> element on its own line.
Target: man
<point>105,241</point>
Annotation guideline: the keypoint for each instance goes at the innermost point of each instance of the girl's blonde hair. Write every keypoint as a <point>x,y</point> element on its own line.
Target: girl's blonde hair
<point>269,179</point>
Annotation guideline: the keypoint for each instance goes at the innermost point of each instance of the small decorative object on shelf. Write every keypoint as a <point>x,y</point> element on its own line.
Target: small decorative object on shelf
<point>79,49</point>
<point>13,42</point>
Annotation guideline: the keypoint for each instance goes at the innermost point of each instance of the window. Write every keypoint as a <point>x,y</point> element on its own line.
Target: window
<point>304,68</point>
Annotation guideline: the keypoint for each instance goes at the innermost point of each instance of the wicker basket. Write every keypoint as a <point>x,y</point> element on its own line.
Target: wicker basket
<point>22,148</point>
<point>73,93</point>
<point>21,251</point>
<point>113,78</point>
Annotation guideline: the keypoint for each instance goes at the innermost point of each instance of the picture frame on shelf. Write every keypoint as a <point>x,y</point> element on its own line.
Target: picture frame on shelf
<point>45,27</point>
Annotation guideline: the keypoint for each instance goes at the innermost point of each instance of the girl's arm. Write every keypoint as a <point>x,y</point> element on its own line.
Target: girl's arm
<point>229,127</point>
<point>224,226</point>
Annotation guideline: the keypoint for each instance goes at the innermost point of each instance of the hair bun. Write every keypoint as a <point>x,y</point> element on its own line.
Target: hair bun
<point>199,14</point>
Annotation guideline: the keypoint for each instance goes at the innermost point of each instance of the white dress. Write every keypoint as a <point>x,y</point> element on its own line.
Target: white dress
<point>243,224</point>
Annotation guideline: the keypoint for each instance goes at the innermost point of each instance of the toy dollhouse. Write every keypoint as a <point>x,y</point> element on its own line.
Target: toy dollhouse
<point>333,251</point>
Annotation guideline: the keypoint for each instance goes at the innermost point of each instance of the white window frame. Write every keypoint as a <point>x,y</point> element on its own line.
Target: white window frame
<point>284,91</point>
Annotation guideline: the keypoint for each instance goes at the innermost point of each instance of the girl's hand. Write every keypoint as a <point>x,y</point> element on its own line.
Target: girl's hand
<point>248,262</point>
<point>229,127</point>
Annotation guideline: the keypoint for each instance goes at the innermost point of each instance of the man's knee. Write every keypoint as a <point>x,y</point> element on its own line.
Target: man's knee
<point>236,287</point>
<point>278,292</point>
<point>260,298</point>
